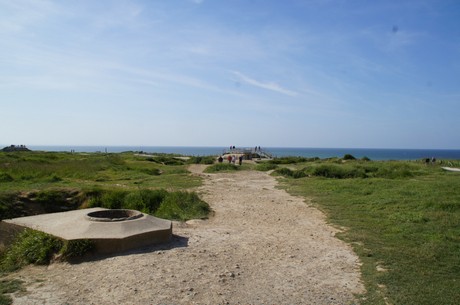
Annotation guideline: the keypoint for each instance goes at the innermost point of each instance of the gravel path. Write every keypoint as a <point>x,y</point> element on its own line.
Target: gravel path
<point>262,246</point>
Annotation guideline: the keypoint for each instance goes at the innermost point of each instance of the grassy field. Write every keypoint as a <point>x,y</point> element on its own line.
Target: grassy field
<point>44,182</point>
<point>402,219</point>
<point>36,182</point>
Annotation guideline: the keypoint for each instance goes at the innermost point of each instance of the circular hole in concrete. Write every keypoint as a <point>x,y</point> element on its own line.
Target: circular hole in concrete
<point>114,215</point>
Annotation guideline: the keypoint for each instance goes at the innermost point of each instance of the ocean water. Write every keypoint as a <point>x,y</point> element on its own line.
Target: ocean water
<point>371,153</point>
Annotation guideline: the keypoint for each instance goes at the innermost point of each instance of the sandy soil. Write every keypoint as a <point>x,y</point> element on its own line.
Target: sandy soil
<point>262,246</point>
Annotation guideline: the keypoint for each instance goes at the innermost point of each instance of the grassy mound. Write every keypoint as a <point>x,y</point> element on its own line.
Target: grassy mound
<point>177,205</point>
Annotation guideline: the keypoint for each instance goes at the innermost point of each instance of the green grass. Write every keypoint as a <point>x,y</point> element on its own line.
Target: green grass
<point>176,205</point>
<point>265,166</point>
<point>8,286</point>
<point>407,222</point>
<point>402,216</point>
<point>221,167</point>
<point>182,206</point>
<point>25,171</point>
<point>40,182</point>
<point>35,247</point>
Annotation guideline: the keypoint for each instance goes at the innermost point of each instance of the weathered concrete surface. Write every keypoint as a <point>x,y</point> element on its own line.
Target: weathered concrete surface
<point>109,237</point>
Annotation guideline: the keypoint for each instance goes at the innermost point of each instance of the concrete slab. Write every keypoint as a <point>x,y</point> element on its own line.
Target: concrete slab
<point>108,236</point>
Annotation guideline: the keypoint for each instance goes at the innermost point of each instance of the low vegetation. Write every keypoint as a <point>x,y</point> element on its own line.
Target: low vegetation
<point>6,287</point>
<point>401,218</point>
<point>46,182</point>
<point>221,167</point>
<point>177,205</point>
<point>34,247</point>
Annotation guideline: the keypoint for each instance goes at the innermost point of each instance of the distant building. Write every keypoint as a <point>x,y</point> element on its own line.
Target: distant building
<point>15,148</point>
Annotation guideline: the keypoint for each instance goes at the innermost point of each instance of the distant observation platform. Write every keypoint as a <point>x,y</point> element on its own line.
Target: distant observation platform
<point>248,153</point>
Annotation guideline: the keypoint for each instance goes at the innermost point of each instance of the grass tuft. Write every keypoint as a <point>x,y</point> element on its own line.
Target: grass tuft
<point>221,167</point>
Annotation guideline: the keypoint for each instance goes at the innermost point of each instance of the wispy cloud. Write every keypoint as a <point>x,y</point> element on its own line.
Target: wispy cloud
<point>265,85</point>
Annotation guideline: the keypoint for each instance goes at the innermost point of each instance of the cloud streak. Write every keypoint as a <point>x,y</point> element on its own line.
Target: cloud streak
<point>264,85</point>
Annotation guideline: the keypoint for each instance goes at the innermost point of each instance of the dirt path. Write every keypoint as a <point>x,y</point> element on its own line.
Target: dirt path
<point>262,246</point>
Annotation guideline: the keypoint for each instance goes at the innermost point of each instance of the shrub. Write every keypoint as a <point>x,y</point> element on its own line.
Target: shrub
<point>299,174</point>
<point>147,201</point>
<point>265,166</point>
<point>201,160</point>
<point>107,199</point>
<point>169,205</point>
<point>348,157</point>
<point>182,206</point>
<point>284,171</point>
<point>290,160</point>
<point>30,247</point>
<point>395,170</point>
<point>331,171</point>
<point>35,247</point>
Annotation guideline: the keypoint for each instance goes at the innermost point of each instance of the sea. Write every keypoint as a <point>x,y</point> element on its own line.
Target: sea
<point>322,153</point>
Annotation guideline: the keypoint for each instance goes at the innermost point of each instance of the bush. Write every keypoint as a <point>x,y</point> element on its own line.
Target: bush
<point>290,160</point>
<point>265,166</point>
<point>396,170</point>
<point>182,206</point>
<point>334,171</point>
<point>146,201</point>
<point>201,160</point>
<point>35,247</point>
<point>30,247</point>
<point>113,199</point>
<point>299,174</point>
<point>348,157</point>
<point>284,171</point>
<point>169,205</point>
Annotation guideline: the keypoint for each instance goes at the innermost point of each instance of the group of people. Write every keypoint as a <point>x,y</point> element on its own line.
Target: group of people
<point>232,159</point>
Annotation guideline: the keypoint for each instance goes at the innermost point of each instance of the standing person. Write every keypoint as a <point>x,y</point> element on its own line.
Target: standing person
<point>233,159</point>
<point>220,159</point>
<point>229,158</point>
<point>240,159</point>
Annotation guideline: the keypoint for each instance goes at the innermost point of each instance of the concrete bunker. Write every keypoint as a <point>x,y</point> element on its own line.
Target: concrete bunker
<point>111,230</point>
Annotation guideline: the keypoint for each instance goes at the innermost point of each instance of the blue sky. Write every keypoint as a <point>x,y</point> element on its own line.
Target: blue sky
<point>291,73</point>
